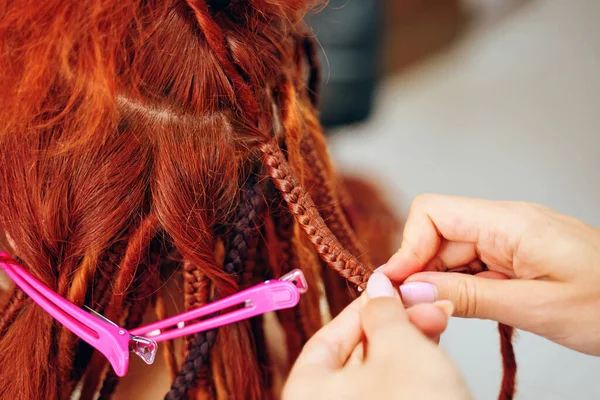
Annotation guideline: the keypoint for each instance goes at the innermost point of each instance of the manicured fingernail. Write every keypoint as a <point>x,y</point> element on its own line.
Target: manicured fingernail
<point>446,306</point>
<point>418,292</point>
<point>379,268</point>
<point>379,285</point>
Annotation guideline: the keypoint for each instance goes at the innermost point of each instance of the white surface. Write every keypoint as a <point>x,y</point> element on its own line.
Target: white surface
<point>512,112</point>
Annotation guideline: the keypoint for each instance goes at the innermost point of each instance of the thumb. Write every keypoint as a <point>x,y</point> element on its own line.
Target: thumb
<point>386,323</point>
<point>519,303</point>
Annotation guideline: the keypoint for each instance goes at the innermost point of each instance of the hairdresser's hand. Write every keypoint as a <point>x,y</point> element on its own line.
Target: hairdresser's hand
<point>400,362</point>
<point>553,262</point>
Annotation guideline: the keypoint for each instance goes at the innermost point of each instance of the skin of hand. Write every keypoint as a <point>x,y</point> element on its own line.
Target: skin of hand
<point>376,349</point>
<point>543,267</point>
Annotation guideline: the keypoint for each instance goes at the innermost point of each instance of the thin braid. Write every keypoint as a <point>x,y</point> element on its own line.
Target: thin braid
<point>306,213</point>
<point>509,363</point>
<point>11,309</point>
<point>239,260</point>
<point>320,187</point>
<point>323,193</point>
<point>198,355</point>
<point>252,234</point>
<point>194,284</point>
<point>242,253</point>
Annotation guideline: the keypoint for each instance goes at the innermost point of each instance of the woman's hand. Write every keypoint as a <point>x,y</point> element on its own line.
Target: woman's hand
<point>545,267</point>
<point>375,349</point>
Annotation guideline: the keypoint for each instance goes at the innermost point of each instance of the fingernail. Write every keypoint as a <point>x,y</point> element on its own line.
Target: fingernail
<point>446,306</point>
<point>418,292</point>
<point>379,285</point>
<point>379,268</point>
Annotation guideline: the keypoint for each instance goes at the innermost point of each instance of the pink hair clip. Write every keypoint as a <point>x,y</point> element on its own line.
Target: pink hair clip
<point>115,342</point>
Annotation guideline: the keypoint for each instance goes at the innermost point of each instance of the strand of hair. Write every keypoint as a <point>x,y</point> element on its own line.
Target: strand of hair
<point>306,213</point>
<point>13,306</point>
<point>198,349</point>
<point>160,310</point>
<point>237,261</point>
<point>509,363</point>
<point>216,39</point>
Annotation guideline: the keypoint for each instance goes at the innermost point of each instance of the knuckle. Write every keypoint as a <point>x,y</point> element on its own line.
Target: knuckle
<point>532,219</point>
<point>530,213</point>
<point>436,264</point>
<point>466,298</point>
<point>414,251</point>
<point>329,349</point>
<point>422,198</point>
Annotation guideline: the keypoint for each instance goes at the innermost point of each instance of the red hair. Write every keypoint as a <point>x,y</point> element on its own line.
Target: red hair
<point>149,140</point>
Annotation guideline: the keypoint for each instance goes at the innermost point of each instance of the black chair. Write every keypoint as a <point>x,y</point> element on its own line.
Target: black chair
<point>349,33</point>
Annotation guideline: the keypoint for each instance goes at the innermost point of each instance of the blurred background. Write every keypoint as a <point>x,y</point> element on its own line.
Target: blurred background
<point>486,98</point>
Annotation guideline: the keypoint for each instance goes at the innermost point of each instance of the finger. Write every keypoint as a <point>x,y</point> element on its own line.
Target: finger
<point>330,347</point>
<point>451,255</point>
<point>523,304</point>
<point>492,275</point>
<point>357,356</point>
<point>431,319</point>
<point>386,324</point>
<point>456,219</point>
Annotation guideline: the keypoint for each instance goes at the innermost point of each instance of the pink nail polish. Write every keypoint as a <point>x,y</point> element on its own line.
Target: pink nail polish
<point>379,285</point>
<point>418,292</point>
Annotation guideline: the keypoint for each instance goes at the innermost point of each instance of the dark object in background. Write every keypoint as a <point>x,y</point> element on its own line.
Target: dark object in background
<point>349,32</point>
<point>365,40</point>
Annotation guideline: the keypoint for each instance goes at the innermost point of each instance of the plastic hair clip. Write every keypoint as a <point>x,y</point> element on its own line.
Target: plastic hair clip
<point>115,342</point>
<point>268,296</point>
<point>104,335</point>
